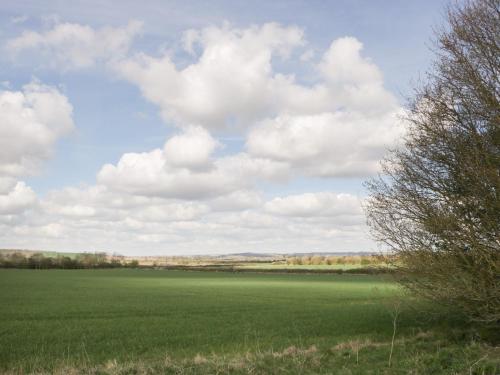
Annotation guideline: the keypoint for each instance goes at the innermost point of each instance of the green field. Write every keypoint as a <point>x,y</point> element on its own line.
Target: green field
<point>55,318</point>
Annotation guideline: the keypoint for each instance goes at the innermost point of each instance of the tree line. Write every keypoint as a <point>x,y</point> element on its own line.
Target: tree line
<point>81,261</point>
<point>317,260</point>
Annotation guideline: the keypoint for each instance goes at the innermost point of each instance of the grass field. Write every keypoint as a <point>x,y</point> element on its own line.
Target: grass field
<point>83,318</point>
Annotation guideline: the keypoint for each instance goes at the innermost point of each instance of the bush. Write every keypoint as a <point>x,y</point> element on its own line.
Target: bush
<point>437,205</point>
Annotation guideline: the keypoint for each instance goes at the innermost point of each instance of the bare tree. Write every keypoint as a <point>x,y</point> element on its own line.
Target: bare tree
<point>437,201</point>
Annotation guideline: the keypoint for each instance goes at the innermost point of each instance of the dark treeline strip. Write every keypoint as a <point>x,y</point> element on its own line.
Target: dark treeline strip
<point>81,261</point>
<point>227,268</point>
<point>316,260</point>
<point>101,260</point>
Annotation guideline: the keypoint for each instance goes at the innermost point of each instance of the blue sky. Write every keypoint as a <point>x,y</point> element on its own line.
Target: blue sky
<point>270,157</point>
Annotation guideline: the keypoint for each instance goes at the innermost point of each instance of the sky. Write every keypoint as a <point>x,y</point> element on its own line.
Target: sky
<point>194,127</point>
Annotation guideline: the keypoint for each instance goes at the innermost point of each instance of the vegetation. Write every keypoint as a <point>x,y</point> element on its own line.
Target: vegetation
<point>437,205</point>
<point>365,264</point>
<point>351,357</point>
<point>150,321</point>
<point>84,260</point>
<point>316,260</point>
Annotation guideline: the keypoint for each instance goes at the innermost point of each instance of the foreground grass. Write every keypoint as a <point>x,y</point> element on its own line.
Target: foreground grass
<point>356,358</point>
<point>147,321</point>
<point>423,353</point>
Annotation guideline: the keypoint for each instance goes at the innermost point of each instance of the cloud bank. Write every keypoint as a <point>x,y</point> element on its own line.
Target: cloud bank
<point>195,194</point>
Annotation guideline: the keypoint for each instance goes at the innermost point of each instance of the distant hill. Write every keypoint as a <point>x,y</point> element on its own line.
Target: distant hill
<point>273,255</point>
<point>244,255</point>
<point>340,253</point>
<point>248,255</point>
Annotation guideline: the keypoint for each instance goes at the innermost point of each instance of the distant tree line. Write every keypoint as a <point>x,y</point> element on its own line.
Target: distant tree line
<point>308,260</point>
<point>81,261</point>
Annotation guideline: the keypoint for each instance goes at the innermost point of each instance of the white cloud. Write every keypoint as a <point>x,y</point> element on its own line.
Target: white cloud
<point>154,174</point>
<point>189,39</point>
<point>191,149</point>
<point>99,204</point>
<point>7,184</point>
<point>174,211</point>
<point>230,83</point>
<point>237,201</point>
<point>315,204</point>
<point>16,200</point>
<point>343,64</point>
<point>354,81</point>
<point>53,231</point>
<point>72,210</point>
<point>71,46</point>
<point>340,126</point>
<point>31,121</point>
<point>102,219</point>
<point>327,144</point>
<point>185,197</point>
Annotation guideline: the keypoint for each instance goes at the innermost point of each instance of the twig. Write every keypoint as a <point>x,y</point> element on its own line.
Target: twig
<point>395,316</point>
<point>475,363</point>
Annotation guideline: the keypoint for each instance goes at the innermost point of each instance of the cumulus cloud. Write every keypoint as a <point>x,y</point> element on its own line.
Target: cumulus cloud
<point>233,78</point>
<point>327,144</point>
<point>72,46</point>
<point>237,201</point>
<point>192,149</point>
<point>31,121</point>
<point>100,218</point>
<point>354,81</point>
<point>187,197</point>
<point>229,83</point>
<point>315,204</point>
<point>100,204</point>
<point>177,172</point>
<point>347,133</point>
<point>16,200</point>
<point>339,126</point>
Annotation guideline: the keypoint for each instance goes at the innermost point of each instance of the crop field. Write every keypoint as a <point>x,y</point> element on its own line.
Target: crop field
<point>52,319</point>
